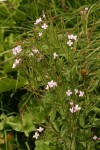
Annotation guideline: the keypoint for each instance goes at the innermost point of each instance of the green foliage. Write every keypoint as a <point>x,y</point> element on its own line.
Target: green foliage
<point>75,67</point>
<point>8,84</point>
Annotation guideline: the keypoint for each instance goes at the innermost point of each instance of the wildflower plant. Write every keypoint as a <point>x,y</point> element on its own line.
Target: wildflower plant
<point>62,82</point>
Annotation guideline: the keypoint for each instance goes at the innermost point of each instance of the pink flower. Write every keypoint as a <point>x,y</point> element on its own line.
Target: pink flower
<point>72,37</point>
<point>17,50</point>
<point>36,135</point>
<point>38,21</point>
<point>81,94</point>
<point>40,129</point>
<point>74,108</point>
<point>44,26</point>
<point>68,93</point>
<point>50,85</point>
<point>77,108</point>
<point>95,137</point>
<point>69,43</point>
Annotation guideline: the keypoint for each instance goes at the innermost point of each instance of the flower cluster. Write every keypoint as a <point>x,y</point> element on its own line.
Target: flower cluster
<point>44,26</point>
<point>41,22</point>
<point>71,38</point>
<point>74,108</point>
<point>69,92</point>
<point>39,130</point>
<point>51,85</point>
<point>17,50</point>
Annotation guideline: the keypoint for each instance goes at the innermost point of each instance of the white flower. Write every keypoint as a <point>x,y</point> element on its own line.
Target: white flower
<point>86,9</point>
<point>35,51</point>
<point>68,93</point>
<point>69,43</point>
<point>2,0</point>
<point>31,54</point>
<point>51,84</point>
<point>70,37</point>
<point>40,34</point>
<point>17,50</point>
<point>43,15</point>
<point>44,26</point>
<point>95,137</point>
<point>77,108</point>
<point>47,87</point>
<point>39,58</point>
<point>74,109</point>
<point>82,12</point>
<point>17,61</point>
<point>40,129</point>
<point>38,21</point>
<point>81,94</point>
<point>36,135</point>
<point>76,91</point>
<point>55,55</point>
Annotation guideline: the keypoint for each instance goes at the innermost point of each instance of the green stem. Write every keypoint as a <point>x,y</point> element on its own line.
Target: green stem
<point>72,147</point>
<point>28,148</point>
<point>73,130</point>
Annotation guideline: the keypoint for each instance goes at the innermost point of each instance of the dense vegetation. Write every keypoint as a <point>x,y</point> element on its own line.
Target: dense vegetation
<point>49,75</point>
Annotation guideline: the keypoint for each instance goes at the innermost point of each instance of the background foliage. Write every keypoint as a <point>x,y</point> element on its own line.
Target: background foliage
<point>25,103</point>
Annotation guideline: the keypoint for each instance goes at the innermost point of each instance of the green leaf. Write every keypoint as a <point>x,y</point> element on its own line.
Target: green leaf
<point>52,114</point>
<point>15,123</point>
<point>8,84</point>
<point>27,122</point>
<point>96,109</point>
<point>15,3</point>
<point>96,122</point>
<point>3,119</point>
<point>82,119</point>
<point>43,145</point>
